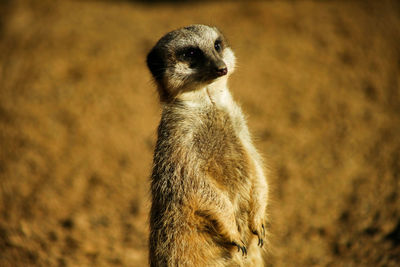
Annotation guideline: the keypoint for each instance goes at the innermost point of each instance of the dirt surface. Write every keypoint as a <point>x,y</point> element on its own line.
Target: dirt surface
<point>319,81</point>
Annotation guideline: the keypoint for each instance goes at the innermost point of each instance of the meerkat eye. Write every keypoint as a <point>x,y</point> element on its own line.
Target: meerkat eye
<point>190,53</point>
<point>218,45</point>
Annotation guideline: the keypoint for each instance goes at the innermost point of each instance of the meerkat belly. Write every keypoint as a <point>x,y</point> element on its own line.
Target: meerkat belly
<point>227,162</point>
<point>221,150</point>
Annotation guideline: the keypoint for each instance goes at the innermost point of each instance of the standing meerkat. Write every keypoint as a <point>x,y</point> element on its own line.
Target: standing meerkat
<point>209,191</point>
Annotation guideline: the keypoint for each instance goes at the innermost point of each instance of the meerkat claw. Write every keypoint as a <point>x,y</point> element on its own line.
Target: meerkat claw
<point>244,250</point>
<point>241,248</point>
<point>260,242</point>
<point>260,236</point>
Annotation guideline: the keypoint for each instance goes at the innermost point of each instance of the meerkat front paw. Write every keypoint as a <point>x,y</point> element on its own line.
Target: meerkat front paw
<point>238,242</point>
<point>260,234</point>
<point>259,230</point>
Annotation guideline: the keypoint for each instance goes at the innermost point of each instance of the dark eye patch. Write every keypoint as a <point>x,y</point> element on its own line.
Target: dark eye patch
<point>189,53</point>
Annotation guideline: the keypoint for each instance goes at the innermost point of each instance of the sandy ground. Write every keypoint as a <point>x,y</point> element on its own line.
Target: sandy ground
<point>319,81</point>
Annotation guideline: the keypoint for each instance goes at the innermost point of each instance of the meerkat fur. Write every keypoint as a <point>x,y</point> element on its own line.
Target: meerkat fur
<point>209,190</point>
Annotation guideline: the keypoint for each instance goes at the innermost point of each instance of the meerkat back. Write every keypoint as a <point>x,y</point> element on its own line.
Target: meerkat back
<point>209,191</point>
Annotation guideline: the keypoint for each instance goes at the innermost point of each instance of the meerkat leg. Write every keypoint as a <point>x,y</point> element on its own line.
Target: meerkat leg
<point>259,204</point>
<point>259,195</point>
<point>217,208</point>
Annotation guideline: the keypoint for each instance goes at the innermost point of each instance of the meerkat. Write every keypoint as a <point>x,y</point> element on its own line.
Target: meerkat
<point>209,190</point>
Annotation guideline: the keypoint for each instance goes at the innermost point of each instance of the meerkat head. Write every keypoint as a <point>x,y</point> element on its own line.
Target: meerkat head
<point>188,59</point>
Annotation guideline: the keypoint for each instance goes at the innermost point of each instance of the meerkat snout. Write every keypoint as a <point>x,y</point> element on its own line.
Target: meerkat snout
<point>219,68</point>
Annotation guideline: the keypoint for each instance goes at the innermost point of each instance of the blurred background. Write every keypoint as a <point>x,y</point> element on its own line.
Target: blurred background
<point>319,81</point>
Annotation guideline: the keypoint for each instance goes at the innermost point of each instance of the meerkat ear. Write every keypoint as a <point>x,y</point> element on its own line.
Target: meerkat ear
<point>155,63</point>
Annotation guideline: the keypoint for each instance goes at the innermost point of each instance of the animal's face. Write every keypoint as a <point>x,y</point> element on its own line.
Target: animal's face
<point>190,58</point>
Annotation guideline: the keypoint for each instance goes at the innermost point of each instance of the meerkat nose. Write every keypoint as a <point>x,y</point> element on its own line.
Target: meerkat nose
<point>222,71</point>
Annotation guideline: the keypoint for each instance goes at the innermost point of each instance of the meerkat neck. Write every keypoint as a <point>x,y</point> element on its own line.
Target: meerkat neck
<point>219,94</point>
<point>216,93</point>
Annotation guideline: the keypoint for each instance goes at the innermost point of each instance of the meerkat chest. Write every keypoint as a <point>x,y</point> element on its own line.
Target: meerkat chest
<point>218,143</point>
<point>218,133</point>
